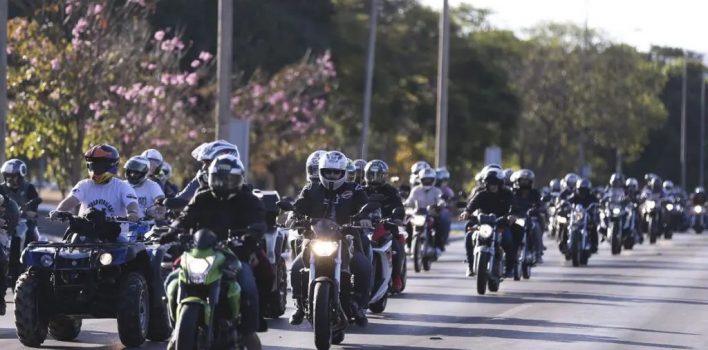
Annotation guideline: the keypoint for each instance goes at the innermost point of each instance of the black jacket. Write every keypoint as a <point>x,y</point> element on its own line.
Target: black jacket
<point>523,202</point>
<point>236,213</point>
<point>392,199</point>
<point>316,202</point>
<point>23,195</point>
<point>498,203</point>
<point>11,215</point>
<point>586,200</point>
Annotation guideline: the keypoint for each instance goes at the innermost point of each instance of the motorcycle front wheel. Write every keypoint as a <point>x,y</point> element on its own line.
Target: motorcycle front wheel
<point>187,327</point>
<point>417,254</point>
<point>482,273</point>
<point>321,323</point>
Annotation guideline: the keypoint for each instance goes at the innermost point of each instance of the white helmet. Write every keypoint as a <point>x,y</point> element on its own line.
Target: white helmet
<point>214,149</point>
<point>155,158</point>
<point>427,177</point>
<point>415,169</point>
<point>333,170</point>
<point>313,164</point>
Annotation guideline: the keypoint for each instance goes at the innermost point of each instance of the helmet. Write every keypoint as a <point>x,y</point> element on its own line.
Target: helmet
<point>166,171</point>
<point>632,184</point>
<point>211,150</point>
<point>700,189</point>
<point>649,176</point>
<point>507,176</point>
<point>617,180</point>
<point>523,178</point>
<point>376,173</point>
<point>442,174</point>
<point>479,177</point>
<point>155,158</point>
<point>654,183</point>
<point>226,175</point>
<point>570,181</point>
<point>427,177</point>
<point>668,185</point>
<point>490,166</point>
<point>583,184</point>
<point>351,171</point>
<point>136,170</point>
<point>102,162</point>
<point>415,169</point>
<point>13,172</point>
<point>333,168</point>
<point>493,176</point>
<point>197,151</point>
<point>555,185</point>
<point>359,164</point>
<point>313,164</point>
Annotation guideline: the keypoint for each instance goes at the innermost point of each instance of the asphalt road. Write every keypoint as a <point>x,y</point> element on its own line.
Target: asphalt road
<point>655,297</point>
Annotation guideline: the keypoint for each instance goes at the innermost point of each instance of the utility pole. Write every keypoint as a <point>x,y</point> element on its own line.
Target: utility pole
<point>702,145</point>
<point>683,121</point>
<point>373,24</point>
<point>3,77</point>
<point>443,66</point>
<point>223,69</point>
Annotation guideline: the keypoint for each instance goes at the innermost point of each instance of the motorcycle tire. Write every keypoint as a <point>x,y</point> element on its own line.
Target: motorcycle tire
<point>584,257</point>
<point>187,327</point>
<point>482,273</point>
<point>338,337</point>
<point>279,297</point>
<point>616,244</point>
<point>668,235</point>
<point>30,323</point>
<point>698,230</point>
<point>321,313</point>
<point>526,271</point>
<point>64,328</point>
<point>417,254</point>
<point>629,244</point>
<point>517,271</point>
<point>133,310</point>
<point>404,274</point>
<point>493,285</point>
<point>427,262</point>
<point>652,232</point>
<point>379,306</point>
<point>160,328</point>
<point>575,253</point>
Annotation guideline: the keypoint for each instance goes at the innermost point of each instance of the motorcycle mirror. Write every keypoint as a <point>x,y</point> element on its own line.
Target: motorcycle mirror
<point>461,204</point>
<point>285,206</point>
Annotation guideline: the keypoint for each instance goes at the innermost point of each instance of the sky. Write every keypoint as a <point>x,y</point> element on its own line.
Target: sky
<point>641,23</point>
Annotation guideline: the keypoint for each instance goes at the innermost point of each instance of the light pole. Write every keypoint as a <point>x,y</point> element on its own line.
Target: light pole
<point>443,66</point>
<point>373,24</point>
<point>223,69</point>
<point>683,121</point>
<point>3,77</point>
<point>702,145</point>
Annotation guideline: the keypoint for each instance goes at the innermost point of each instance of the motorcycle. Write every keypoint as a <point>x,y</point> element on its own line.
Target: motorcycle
<point>324,255</point>
<point>422,246</point>
<point>526,257</point>
<point>698,218</point>
<point>561,225</point>
<point>488,262</point>
<point>579,246</point>
<point>652,217</point>
<point>275,246</point>
<point>193,297</point>
<point>673,215</point>
<point>382,255</point>
<point>614,220</point>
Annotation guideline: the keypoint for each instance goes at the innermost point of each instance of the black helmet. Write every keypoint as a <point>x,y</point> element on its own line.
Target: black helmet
<point>359,165</point>
<point>136,170</point>
<point>632,184</point>
<point>584,184</point>
<point>617,180</point>
<point>555,185</point>
<point>570,181</point>
<point>493,177</point>
<point>226,175</point>
<point>700,189</point>
<point>523,178</point>
<point>376,173</point>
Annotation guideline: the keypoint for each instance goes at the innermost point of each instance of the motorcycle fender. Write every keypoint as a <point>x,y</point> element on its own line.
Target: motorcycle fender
<point>195,300</point>
<point>334,291</point>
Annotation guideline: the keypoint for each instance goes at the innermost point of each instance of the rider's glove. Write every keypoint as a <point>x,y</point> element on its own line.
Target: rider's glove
<point>53,215</point>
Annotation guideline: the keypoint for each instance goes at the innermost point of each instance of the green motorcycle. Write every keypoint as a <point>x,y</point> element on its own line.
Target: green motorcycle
<point>193,297</point>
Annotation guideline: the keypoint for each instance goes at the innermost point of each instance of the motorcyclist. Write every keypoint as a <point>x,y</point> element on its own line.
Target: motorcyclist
<point>507,178</point>
<point>495,199</point>
<point>227,207</point>
<point>9,217</point>
<point>163,179</point>
<point>555,187</point>
<point>583,196</point>
<point>479,179</point>
<point>376,177</point>
<point>147,190</point>
<point>442,180</point>
<point>668,188</point>
<point>415,169</point>
<point>102,191</point>
<point>23,193</point>
<point>204,154</point>
<point>359,165</point>
<point>334,198</point>
<point>699,196</point>
<point>425,195</point>
<point>631,186</point>
<point>351,171</point>
<point>568,185</point>
<point>527,201</point>
<point>156,160</point>
<point>312,166</point>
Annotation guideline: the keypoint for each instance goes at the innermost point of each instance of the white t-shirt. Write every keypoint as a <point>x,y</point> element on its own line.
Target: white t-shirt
<point>147,192</point>
<point>113,197</point>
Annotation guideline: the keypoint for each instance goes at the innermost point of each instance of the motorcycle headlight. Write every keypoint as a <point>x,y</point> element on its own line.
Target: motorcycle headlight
<point>562,219</point>
<point>324,248</point>
<point>698,209</point>
<point>418,220</point>
<point>616,211</point>
<point>670,206</point>
<point>105,259</point>
<point>485,231</point>
<point>651,205</point>
<point>46,260</point>
<point>198,269</point>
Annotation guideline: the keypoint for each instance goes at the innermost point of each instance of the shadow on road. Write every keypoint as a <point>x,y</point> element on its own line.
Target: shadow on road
<point>524,298</point>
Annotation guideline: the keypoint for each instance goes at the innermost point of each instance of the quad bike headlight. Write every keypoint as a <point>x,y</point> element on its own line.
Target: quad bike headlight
<point>46,260</point>
<point>324,248</point>
<point>105,259</point>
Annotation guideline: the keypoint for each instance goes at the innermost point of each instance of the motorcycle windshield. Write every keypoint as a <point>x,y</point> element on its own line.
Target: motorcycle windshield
<point>326,228</point>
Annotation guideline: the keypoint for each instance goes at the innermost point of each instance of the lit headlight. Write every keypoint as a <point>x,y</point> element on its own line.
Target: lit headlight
<point>46,260</point>
<point>198,269</point>
<point>418,220</point>
<point>616,211</point>
<point>562,219</point>
<point>698,209</point>
<point>324,248</point>
<point>485,231</point>
<point>670,206</point>
<point>105,259</point>
<point>651,205</point>
<point>578,215</point>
